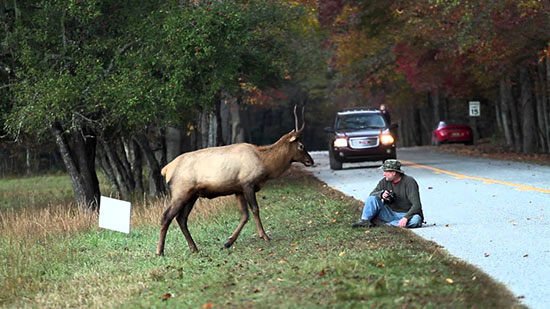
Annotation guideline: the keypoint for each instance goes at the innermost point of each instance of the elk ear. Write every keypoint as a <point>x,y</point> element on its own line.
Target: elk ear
<point>292,138</point>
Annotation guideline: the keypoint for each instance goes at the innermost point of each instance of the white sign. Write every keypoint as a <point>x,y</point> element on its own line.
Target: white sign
<point>114,214</point>
<point>475,110</point>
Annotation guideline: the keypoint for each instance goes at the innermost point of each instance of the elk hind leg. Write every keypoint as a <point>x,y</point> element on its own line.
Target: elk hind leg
<point>241,202</point>
<point>182,221</point>
<point>169,214</point>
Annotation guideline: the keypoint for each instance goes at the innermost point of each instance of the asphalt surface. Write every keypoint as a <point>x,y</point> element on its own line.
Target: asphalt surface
<point>490,213</point>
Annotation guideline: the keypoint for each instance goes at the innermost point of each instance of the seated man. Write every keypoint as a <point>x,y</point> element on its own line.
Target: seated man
<point>395,200</point>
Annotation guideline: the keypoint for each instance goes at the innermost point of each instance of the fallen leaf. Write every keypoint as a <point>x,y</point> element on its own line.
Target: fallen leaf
<point>323,272</point>
<point>447,225</point>
<point>429,188</point>
<point>256,291</point>
<point>283,198</point>
<point>309,222</point>
<point>293,245</point>
<point>526,255</point>
<point>333,220</point>
<point>166,296</point>
<point>207,305</point>
<point>449,280</point>
<point>206,287</point>
<point>342,253</point>
<point>380,264</point>
<point>367,231</point>
<point>337,213</point>
<point>485,254</point>
<point>282,262</point>
<point>474,278</point>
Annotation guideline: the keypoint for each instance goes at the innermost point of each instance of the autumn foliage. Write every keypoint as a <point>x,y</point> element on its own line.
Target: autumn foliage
<point>448,51</point>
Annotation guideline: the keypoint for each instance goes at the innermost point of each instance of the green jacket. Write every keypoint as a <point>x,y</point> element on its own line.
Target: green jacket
<point>407,195</point>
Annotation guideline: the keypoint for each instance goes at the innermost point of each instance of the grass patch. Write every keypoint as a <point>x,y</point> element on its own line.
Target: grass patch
<point>313,260</point>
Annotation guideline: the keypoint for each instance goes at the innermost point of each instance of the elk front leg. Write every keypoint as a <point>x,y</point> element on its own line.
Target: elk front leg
<point>251,198</point>
<point>241,202</point>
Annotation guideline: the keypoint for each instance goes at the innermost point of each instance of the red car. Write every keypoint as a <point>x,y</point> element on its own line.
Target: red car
<point>450,131</point>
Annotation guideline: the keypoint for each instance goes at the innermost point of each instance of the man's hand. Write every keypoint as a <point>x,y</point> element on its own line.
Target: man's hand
<point>403,222</point>
<point>385,194</point>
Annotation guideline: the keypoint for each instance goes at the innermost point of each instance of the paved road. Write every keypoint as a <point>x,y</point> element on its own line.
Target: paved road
<point>492,214</point>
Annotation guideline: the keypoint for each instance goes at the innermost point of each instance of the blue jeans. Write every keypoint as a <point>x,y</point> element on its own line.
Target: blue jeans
<point>375,209</point>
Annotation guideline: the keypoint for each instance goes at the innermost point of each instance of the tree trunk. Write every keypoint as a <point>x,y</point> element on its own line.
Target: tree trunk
<point>212,129</point>
<point>203,128</point>
<point>28,160</point>
<point>173,142</point>
<point>136,163</point>
<point>541,107</point>
<point>417,127</point>
<point>528,115</point>
<point>237,131</point>
<point>225,119</point>
<point>505,111</point>
<point>514,115</point>
<point>434,95</point>
<point>218,116</point>
<point>157,184</point>
<point>547,102</point>
<point>102,161</point>
<point>116,168</point>
<point>80,164</point>
<point>498,117</point>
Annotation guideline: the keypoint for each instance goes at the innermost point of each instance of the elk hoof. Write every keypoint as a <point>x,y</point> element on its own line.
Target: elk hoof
<point>227,244</point>
<point>265,238</point>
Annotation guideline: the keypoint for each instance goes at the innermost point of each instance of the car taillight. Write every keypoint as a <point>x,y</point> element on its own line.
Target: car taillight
<point>386,139</point>
<point>341,142</point>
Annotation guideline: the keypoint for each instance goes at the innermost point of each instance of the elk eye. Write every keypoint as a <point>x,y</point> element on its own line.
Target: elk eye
<point>301,147</point>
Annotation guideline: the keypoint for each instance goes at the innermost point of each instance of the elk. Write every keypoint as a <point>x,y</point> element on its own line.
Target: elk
<point>239,169</point>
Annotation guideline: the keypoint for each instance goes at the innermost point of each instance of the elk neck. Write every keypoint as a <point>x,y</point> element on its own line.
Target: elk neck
<point>276,157</point>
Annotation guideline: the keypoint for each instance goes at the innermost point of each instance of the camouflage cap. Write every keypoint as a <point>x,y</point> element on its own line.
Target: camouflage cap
<point>392,165</point>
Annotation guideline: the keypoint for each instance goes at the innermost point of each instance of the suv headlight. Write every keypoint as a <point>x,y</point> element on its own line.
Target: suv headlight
<point>386,139</point>
<point>341,142</point>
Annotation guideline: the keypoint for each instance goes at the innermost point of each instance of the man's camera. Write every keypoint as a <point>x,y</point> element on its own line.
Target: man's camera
<point>390,198</point>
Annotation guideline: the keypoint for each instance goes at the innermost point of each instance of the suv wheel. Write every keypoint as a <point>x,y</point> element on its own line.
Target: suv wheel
<point>334,164</point>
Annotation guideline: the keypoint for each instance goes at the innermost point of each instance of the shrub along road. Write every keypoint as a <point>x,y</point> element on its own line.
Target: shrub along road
<point>491,213</point>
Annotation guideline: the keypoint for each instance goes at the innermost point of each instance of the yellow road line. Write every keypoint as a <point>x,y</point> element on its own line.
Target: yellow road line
<point>484,180</point>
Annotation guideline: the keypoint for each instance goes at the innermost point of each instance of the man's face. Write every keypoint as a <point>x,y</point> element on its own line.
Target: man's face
<point>389,175</point>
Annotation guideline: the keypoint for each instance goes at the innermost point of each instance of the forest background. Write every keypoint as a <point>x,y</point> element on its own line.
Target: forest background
<point>125,87</point>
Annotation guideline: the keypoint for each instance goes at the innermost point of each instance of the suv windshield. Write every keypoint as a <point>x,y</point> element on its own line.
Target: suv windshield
<point>360,121</point>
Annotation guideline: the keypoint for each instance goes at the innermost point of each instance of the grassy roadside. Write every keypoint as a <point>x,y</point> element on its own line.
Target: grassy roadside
<point>313,260</point>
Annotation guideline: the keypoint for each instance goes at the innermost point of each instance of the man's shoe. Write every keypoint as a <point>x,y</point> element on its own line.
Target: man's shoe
<point>362,223</point>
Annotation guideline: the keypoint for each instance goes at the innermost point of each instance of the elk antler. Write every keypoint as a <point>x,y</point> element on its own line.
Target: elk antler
<point>295,120</point>
<point>303,119</point>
